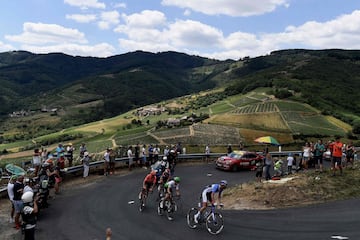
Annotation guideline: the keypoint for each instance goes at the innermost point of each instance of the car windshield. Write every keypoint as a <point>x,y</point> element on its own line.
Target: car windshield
<point>236,155</point>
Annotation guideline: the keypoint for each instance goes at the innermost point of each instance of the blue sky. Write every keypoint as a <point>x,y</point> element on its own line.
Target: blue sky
<point>220,29</point>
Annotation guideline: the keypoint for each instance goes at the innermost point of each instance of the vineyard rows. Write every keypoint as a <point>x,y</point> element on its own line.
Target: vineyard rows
<point>257,108</point>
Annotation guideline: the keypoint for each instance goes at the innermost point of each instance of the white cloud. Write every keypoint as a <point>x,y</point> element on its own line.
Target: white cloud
<point>85,4</point>
<point>233,8</point>
<point>119,5</point>
<point>108,19</point>
<point>5,47</point>
<point>342,32</point>
<point>82,18</point>
<point>41,33</point>
<point>145,19</point>
<point>98,50</point>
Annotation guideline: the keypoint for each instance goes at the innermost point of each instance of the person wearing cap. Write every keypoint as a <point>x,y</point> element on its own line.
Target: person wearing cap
<point>209,195</point>
<point>28,215</point>
<point>70,153</point>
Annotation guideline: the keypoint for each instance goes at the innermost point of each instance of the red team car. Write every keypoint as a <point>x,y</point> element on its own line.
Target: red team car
<point>237,160</point>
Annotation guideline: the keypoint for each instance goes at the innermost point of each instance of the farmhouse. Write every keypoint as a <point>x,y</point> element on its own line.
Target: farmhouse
<point>151,110</point>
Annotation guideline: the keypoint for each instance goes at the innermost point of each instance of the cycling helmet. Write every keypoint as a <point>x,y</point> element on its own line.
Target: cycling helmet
<point>165,158</point>
<point>153,172</point>
<point>86,153</point>
<point>177,179</point>
<point>27,197</point>
<point>223,183</point>
<point>49,161</point>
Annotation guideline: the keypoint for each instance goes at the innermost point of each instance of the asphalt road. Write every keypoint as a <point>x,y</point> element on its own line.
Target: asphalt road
<point>85,213</point>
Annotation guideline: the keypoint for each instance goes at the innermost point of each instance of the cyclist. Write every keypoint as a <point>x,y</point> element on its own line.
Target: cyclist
<point>169,187</point>
<point>208,195</point>
<point>148,183</point>
<point>164,178</point>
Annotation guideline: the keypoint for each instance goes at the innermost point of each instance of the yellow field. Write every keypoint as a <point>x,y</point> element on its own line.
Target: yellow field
<point>261,120</point>
<point>339,123</point>
<point>108,125</point>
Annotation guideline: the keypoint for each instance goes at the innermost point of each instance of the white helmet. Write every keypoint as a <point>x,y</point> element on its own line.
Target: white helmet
<point>165,158</point>
<point>27,197</point>
<point>86,153</point>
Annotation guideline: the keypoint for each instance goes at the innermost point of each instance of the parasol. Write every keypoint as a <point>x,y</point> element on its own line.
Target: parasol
<point>267,140</point>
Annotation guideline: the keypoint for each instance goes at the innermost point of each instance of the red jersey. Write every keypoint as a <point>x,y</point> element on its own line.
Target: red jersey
<point>150,179</point>
<point>337,149</point>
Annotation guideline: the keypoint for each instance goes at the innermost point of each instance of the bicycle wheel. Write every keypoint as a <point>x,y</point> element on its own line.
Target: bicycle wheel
<point>160,210</point>
<point>190,218</point>
<point>142,203</point>
<point>215,224</point>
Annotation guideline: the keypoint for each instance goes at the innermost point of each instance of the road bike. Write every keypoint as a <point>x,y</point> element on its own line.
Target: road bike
<point>168,206</point>
<point>214,221</point>
<point>142,199</point>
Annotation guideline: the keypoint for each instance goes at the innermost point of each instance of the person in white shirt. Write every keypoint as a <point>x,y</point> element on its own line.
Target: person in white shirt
<point>10,190</point>
<point>106,161</point>
<point>290,162</point>
<point>130,156</point>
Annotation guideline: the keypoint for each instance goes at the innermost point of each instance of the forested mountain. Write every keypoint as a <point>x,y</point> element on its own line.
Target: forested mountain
<point>87,88</point>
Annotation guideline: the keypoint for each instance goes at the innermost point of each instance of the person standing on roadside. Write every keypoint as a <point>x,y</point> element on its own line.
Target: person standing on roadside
<point>143,155</point>
<point>106,161</point>
<point>319,149</point>
<point>268,163</point>
<point>112,157</point>
<point>36,161</point>
<point>130,157</point>
<point>18,204</point>
<point>337,156</point>
<point>28,215</point>
<point>207,153</point>
<point>70,153</point>
<point>10,191</point>
<point>82,150</point>
<point>85,160</point>
<point>350,153</point>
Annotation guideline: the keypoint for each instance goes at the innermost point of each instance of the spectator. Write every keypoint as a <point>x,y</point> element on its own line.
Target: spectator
<point>54,175</point>
<point>150,150</point>
<point>28,215</point>
<point>112,161</point>
<point>18,204</point>
<point>44,155</point>
<point>36,161</point>
<point>106,161</point>
<point>207,153</point>
<point>306,155</point>
<point>319,149</point>
<point>350,153</point>
<point>337,155</point>
<point>10,191</point>
<point>290,163</point>
<point>268,163</point>
<point>60,155</point>
<point>85,160</point>
<point>130,157</point>
<point>156,152</point>
<point>166,151</point>
<point>143,156</point>
<point>29,184</point>
<point>70,154</point>
<point>137,154</point>
<point>278,168</point>
<point>82,150</point>
<point>229,149</point>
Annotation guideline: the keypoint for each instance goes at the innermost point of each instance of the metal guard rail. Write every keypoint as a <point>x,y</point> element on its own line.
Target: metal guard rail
<point>180,157</point>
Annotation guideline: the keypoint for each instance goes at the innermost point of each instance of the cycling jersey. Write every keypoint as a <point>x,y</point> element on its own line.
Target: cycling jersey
<point>206,193</point>
<point>150,179</point>
<point>171,184</point>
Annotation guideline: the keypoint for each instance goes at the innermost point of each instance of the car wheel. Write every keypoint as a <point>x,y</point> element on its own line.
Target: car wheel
<point>235,168</point>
